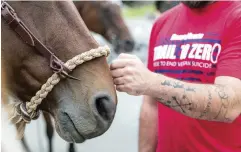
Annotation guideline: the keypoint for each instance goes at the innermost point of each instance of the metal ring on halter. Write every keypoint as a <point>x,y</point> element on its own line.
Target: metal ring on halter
<point>22,110</point>
<point>58,67</point>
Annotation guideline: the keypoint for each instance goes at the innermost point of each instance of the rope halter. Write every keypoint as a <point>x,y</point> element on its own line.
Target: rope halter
<point>22,113</point>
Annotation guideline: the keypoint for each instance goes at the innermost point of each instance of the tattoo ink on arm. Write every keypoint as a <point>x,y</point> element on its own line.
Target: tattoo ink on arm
<point>202,101</point>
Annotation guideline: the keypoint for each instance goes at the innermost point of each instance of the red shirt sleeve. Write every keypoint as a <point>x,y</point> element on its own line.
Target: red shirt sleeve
<point>229,61</point>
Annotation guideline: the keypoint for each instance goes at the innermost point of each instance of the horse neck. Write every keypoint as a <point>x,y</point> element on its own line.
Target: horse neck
<point>57,25</point>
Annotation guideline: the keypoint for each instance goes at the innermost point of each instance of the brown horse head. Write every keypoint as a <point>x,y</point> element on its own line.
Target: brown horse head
<point>81,109</point>
<point>104,18</point>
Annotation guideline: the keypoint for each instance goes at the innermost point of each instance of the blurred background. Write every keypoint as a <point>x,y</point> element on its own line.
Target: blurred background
<point>122,136</point>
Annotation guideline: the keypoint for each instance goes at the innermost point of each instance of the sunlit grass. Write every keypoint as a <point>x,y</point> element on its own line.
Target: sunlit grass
<point>132,12</point>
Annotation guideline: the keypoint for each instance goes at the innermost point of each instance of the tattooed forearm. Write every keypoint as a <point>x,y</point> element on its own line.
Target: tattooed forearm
<point>168,103</point>
<point>207,108</point>
<point>177,85</point>
<point>202,101</point>
<point>177,102</point>
<point>223,97</point>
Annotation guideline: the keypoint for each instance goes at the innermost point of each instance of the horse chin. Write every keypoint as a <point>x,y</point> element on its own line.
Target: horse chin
<point>70,121</point>
<point>71,134</point>
<point>85,118</point>
<point>75,122</point>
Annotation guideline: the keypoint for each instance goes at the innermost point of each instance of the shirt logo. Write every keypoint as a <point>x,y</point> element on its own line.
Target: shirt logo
<point>192,47</point>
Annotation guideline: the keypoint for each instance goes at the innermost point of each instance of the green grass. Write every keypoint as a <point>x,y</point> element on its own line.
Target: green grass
<point>132,12</point>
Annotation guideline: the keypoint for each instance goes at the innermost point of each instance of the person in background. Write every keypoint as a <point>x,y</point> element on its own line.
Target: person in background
<point>192,87</point>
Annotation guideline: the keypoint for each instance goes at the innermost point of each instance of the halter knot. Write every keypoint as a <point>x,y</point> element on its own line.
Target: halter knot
<point>21,111</point>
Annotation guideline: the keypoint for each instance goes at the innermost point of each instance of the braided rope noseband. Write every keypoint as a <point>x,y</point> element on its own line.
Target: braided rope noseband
<point>22,113</point>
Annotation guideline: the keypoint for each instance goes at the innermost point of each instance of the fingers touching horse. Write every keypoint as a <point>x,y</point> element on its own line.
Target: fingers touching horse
<point>104,18</point>
<point>82,108</point>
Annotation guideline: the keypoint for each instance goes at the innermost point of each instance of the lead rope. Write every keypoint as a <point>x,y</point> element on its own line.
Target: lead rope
<point>22,113</point>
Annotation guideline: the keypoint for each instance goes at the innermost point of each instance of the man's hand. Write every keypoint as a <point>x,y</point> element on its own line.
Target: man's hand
<point>130,75</point>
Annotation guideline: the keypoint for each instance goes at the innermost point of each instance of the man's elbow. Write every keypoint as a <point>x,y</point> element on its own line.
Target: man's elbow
<point>229,117</point>
<point>232,115</point>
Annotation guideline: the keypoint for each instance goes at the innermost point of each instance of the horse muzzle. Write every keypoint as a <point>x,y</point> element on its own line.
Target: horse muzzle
<point>78,121</point>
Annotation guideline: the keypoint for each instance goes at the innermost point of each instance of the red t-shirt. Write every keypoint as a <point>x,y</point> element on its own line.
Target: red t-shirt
<point>197,45</point>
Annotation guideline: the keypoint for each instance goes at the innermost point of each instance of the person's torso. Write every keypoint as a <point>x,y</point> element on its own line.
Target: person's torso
<point>187,47</point>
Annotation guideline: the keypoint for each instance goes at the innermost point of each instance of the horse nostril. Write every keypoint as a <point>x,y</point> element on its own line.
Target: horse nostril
<point>129,45</point>
<point>105,107</point>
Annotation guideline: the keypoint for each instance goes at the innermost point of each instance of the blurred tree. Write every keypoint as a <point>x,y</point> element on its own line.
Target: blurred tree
<point>129,3</point>
<point>162,6</point>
